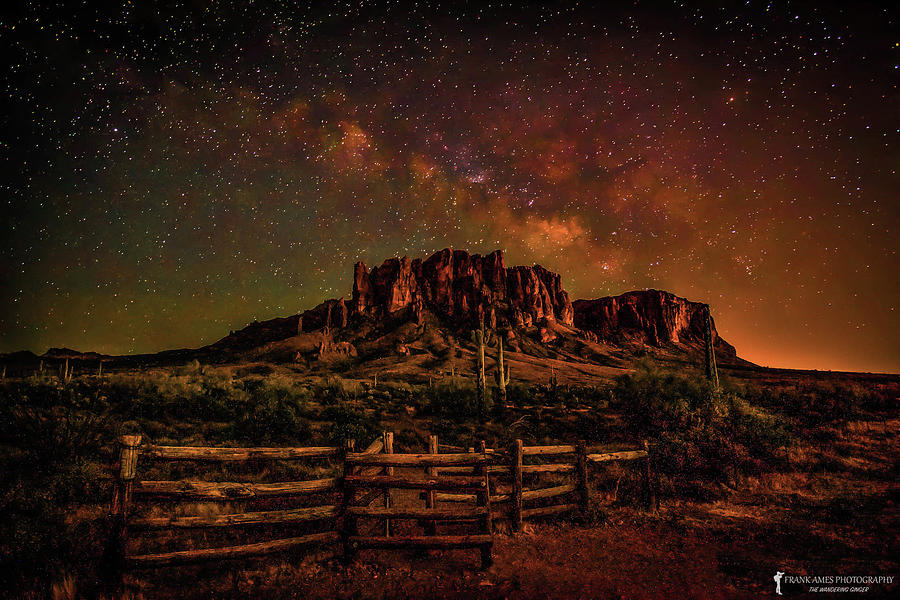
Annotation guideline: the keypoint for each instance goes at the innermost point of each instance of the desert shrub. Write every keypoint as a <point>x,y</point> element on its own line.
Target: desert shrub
<point>519,394</point>
<point>345,422</point>
<point>261,369</point>
<point>338,362</point>
<point>815,408</point>
<point>702,434</point>
<point>756,429</point>
<point>273,414</point>
<point>813,404</point>
<point>336,389</point>
<point>52,444</point>
<point>216,401</point>
<point>452,400</point>
<point>398,389</point>
<point>408,439</point>
<point>654,402</point>
<point>586,395</point>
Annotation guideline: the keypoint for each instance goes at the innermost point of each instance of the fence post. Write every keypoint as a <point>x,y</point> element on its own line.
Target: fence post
<point>431,526</point>
<point>516,470</point>
<point>129,448</point>
<point>388,439</point>
<point>649,493</point>
<point>483,498</point>
<point>584,494</point>
<point>348,523</point>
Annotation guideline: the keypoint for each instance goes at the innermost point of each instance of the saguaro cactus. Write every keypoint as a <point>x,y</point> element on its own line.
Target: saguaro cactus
<point>712,373</point>
<point>502,374</point>
<point>553,385</point>
<point>480,382</point>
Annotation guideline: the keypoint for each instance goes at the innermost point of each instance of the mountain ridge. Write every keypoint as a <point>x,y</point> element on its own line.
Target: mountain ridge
<point>456,291</point>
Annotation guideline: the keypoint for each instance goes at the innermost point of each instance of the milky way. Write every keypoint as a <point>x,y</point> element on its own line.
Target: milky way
<point>173,175</point>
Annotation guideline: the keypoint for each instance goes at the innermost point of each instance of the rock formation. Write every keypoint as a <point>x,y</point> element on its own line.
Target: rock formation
<point>465,290</point>
<point>651,317</point>
<point>463,287</point>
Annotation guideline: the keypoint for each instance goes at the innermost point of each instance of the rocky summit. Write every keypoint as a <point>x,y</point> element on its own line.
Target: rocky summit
<point>648,317</point>
<point>463,287</point>
<point>458,291</point>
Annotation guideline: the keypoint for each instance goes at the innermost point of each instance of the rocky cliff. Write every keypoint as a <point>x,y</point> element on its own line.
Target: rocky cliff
<point>463,287</point>
<point>651,317</point>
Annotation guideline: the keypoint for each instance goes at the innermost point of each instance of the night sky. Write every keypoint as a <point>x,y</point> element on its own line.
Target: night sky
<point>173,173</point>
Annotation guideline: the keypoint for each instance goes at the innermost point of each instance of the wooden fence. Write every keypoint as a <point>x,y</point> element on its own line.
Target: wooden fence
<point>484,485</point>
<point>513,466</point>
<point>129,489</point>
<point>476,483</point>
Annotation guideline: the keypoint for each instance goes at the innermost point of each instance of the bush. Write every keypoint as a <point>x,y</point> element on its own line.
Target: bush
<point>519,394</point>
<point>52,447</point>
<point>274,415</point>
<point>653,402</point>
<point>702,433</point>
<point>346,422</point>
<point>451,400</point>
<point>337,389</point>
<point>814,404</point>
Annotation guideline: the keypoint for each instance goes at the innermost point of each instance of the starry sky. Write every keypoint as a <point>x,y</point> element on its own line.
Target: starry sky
<point>173,172</point>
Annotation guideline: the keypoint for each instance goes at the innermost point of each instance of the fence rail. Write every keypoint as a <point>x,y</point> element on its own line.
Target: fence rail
<point>483,484</point>
<point>212,490</point>
<point>269,517</point>
<point>183,557</point>
<point>236,454</point>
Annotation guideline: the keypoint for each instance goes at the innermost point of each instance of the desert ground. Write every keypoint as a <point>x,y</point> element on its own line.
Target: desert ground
<point>778,470</point>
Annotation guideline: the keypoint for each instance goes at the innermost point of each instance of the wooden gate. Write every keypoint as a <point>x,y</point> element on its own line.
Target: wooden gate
<point>477,484</point>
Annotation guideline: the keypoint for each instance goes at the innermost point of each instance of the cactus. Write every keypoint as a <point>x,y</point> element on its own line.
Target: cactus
<point>3,375</point>
<point>553,384</point>
<point>712,372</point>
<point>375,381</point>
<point>41,368</point>
<point>480,382</point>
<point>502,375</point>
<point>100,369</point>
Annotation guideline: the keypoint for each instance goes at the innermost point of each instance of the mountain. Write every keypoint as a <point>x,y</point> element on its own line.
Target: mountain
<point>456,291</point>
<point>647,317</point>
<point>417,316</point>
